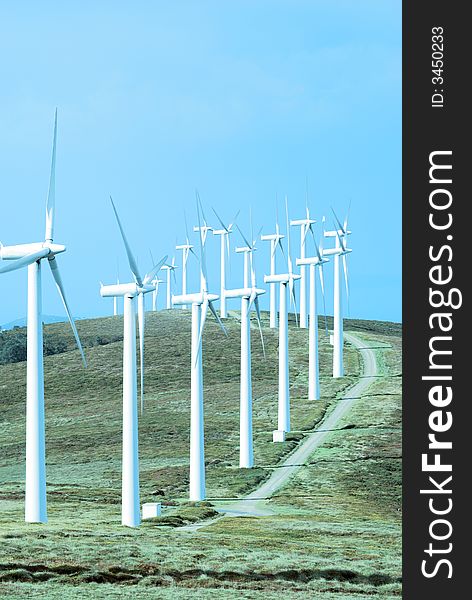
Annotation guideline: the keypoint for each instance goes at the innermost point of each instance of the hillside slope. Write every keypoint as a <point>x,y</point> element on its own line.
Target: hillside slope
<point>327,521</point>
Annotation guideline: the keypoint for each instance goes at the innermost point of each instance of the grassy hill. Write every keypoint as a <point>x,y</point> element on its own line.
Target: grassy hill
<point>336,528</point>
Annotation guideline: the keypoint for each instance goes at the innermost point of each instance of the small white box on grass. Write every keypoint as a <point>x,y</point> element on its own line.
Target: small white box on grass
<point>151,510</point>
<point>278,435</point>
<point>331,339</point>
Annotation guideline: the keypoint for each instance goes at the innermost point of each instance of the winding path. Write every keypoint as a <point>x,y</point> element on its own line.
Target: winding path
<point>256,503</point>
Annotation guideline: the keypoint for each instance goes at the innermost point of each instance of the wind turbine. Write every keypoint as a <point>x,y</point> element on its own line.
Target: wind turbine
<point>285,281</point>
<point>340,234</point>
<point>130,506</point>
<point>313,358</point>
<point>169,268</point>
<point>305,226</point>
<point>224,234</point>
<point>201,302</point>
<point>249,295</point>
<point>30,255</point>
<point>275,241</point>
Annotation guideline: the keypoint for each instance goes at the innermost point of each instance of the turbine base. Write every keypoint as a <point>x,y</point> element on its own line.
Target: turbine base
<point>278,435</point>
<point>151,510</point>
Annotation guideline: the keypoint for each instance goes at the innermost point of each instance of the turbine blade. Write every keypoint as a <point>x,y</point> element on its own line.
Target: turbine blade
<point>253,271</point>
<point>317,249</point>
<point>51,199</point>
<point>257,237</point>
<point>202,247</point>
<point>215,314</point>
<point>204,310</point>
<point>13,265</point>
<point>131,260</point>
<point>252,298</point>
<point>293,300</point>
<point>186,228</point>
<point>346,281</point>
<point>258,316</point>
<point>323,295</point>
<point>346,218</point>
<point>289,258</point>
<point>228,249</point>
<point>243,236</point>
<point>338,222</point>
<point>341,242</point>
<point>150,276</point>
<point>60,288</point>
<point>230,226</point>
<point>201,208</point>
<point>219,219</point>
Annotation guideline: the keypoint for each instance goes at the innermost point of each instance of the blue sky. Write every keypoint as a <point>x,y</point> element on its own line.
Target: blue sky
<point>245,101</point>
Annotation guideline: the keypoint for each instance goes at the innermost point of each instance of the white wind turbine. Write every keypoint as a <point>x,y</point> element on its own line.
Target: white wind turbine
<point>201,302</point>
<point>305,226</point>
<point>340,234</point>
<point>249,295</point>
<point>275,241</point>
<point>224,234</point>
<point>170,269</point>
<point>285,281</point>
<point>313,357</point>
<point>130,506</point>
<point>30,255</point>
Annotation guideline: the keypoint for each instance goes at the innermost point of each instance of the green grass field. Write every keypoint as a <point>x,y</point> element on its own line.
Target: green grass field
<point>336,528</point>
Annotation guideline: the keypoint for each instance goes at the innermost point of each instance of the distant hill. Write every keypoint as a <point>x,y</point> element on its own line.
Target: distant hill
<point>22,322</point>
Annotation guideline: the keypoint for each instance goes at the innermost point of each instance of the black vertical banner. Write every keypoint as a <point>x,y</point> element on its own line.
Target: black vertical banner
<point>437,234</point>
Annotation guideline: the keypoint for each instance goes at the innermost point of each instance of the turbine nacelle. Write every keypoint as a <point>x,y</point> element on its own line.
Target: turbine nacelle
<point>22,250</point>
<point>244,292</point>
<point>335,233</point>
<point>281,278</point>
<point>125,289</point>
<point>296,222</point>
<point>272,236</point>
<point>198,298</point>
<point>242,249</point>
<point>313,260</point>
<point>333,251</point>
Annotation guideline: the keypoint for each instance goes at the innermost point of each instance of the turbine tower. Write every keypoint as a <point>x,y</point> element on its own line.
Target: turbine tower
<point>30,255</point>
<point>224,234</point>
<point>201,302</point>
<point>305,225</point>
<point>130,506</point>
<point>340,234</point>
<point>275,241</point>
<point>285,281</point>
<point>249,296</point>
<point>313,357</point>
